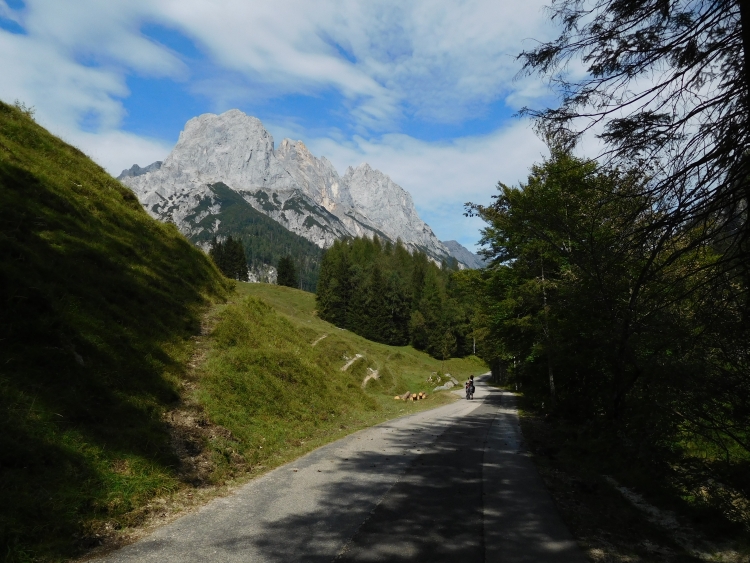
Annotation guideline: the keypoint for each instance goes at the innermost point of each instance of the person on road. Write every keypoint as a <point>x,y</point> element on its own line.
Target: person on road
<point>467,389</point>
<point>471,386</point>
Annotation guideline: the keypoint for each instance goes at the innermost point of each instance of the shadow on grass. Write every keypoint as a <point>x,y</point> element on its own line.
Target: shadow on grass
<point>96,304</point>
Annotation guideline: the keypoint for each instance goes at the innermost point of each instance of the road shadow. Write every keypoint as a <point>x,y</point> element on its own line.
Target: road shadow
<point>433,513</point>
<point>449,485</point>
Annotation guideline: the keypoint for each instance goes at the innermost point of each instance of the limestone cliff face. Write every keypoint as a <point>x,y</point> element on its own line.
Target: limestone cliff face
<point>464,255</point>
<point>390,208</point>
<point>303,193</point>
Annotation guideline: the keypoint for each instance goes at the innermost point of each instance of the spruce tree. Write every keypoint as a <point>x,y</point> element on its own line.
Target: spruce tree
<point>331,297</point>
<point>397,302</point>
<point>432,308</point>
<point>229,257</point>
<point>382,292</point>
<point>377,318</point>
<point>324,297</point>
<point>356,311</point>
<point>238,261</point>
<point>287,273</point>
<point>216,252</point>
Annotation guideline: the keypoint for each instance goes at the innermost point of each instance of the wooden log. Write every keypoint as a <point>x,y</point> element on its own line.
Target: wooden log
<point>405,396</point>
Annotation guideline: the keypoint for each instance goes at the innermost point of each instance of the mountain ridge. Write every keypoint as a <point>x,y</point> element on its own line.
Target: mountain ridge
<point>303,193</point>
<point>463,254</point>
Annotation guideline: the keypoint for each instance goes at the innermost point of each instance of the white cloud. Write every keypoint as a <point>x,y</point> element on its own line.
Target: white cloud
<point>61,90</point>
<point>436,61</point>
<point>103,33</point>
<point>442,176</point>
<point>116,150</point>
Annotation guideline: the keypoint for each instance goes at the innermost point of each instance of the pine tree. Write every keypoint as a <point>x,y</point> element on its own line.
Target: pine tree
<point>229,257</point>
<point>287,273</point>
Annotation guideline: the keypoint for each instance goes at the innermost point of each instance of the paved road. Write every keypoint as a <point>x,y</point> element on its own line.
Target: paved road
<point>450,484</point>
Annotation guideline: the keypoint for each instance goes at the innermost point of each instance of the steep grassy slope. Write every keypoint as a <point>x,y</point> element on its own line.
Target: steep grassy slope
<point>97,305</point>
<point>279,395</point>
<point>113,407</point>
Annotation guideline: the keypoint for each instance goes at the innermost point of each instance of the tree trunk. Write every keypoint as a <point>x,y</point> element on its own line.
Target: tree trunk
<point>553,395</point>
<point>745,28</point>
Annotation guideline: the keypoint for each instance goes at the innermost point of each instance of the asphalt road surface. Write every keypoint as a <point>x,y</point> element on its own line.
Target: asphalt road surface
<point>450,484</point>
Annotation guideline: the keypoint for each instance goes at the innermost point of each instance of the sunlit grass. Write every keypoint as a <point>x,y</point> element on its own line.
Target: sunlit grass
<point>99,308</point>
<point>280,396</point>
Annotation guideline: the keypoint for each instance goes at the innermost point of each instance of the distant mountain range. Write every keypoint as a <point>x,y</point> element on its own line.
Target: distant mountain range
<point>463,255</point>
<point>302,193</point>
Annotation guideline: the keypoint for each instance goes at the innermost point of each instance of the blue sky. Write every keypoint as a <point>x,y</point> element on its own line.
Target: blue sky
<point>425,91</point>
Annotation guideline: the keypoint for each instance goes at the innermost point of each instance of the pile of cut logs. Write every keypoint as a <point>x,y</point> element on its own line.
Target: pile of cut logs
<point>409,396</point>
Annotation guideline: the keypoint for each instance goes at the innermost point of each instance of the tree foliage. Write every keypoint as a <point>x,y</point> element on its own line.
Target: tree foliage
<point>668,86</point>
<point>638,324</point>
<point>287,273</point>
<point>229,257</point>
<point>265,241</point>
<point>386,294</point>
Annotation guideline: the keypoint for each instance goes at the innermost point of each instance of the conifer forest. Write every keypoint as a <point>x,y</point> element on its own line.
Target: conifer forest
<point>384,293</point>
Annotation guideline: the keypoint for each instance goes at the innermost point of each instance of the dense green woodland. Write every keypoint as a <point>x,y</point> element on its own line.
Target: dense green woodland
<point>229,256</point>
<point>264,240</point>
<point>384,293</point>
<point>622,322</point>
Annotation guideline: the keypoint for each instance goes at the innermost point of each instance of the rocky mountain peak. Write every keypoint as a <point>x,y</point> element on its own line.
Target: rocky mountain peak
<point>292,186</point>
<point>389,207</point>
<point>464,255</point>
<point>136,170</point>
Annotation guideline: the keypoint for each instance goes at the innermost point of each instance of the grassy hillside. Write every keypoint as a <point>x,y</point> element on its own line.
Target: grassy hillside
<point>258,393</point>
<point>279,396</point>
<point>97,306</point>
